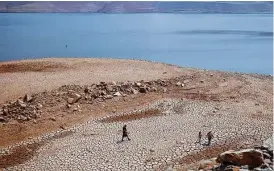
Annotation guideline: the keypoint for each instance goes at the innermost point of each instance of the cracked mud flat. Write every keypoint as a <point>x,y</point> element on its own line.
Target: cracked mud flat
<point>163,127</point>
<point>156,142</point>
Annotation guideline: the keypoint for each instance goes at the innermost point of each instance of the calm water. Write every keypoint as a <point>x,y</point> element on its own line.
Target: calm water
<point>212,41</point>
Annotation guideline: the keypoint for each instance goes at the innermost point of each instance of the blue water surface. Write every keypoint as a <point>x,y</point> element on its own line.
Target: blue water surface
<point>229,42</point>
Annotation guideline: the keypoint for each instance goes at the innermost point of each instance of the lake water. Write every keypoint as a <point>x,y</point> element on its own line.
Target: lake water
<point>230,42</point>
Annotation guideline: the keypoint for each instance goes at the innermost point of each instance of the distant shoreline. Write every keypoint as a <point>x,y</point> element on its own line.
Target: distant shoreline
<point>255,13</point>
<point>128,60</point>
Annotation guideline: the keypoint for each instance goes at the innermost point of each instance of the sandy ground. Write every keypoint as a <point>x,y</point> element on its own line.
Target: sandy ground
<point>32,76</point>
<point>236,107</point>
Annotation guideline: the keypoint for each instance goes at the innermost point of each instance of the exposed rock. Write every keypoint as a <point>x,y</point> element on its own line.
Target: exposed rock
<point>117,94</point>
<point>71,100</point>
<point>251,157</point>
<point>108,96</point>
<point>138,84</point>
<point>88,90</point>
<point>143,90</point>
<point>154,89</point>
<point>21,103</point>
<point>27,98</point>
<point>269,144</point>
<point>63,127</point>
<point>102,92</point>
<point>22,118</point>
<point>232,168</point>
<point>207,164</point>
<point>178,83</point>
<point>5,111</point>
<point>74,98</point>
<point>170,169</point>
<point>52,118</point>
<point>39,106</point>
<point>263,169</point>
<point>134,91</point>
<point>2,119</point>
<point>186,81</point>
<point>152,150</point>
<point>109,88</point>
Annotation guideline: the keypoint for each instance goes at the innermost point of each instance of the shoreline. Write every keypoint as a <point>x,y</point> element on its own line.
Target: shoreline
<point>132,59</point>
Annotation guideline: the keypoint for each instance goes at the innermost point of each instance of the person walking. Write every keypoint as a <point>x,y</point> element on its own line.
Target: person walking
<point>125,133</point>
<point>209,137</point>
<point>199,137</point>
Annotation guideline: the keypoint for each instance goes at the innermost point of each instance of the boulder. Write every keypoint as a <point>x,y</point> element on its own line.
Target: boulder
<point>109,88</point>
<point>108,96</point>
<point>22,118</point>
<point>268,144</point>
<point>39,106</point>
<point>251,157</point>
<point>21,103</point>
<point>232,168</point>
<point>117,94</point>
<point>102,92</point>
<point>134,91</point>
<point>88,90</point>
<point>263,169</point>
<point>27,98</point>
<point>207,164</point>
<point>178,83</point>
<point>74,98</point>
<point>153,89</point>
<point>52,118</point>
<point>143,90</point>
<point>5,111</point>
<point>138,84</point>
<point>2,119</point>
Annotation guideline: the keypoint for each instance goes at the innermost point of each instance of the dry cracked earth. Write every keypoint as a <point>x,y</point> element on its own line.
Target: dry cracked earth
<point>163,125</point>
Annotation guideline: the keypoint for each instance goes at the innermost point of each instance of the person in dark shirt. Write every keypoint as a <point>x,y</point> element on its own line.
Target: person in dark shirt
<point>209,137</point>
<point>125,133</point>
<point>199,137</point>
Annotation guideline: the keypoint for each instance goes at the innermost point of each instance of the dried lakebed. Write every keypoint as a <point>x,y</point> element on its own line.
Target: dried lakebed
<point>164,139</point>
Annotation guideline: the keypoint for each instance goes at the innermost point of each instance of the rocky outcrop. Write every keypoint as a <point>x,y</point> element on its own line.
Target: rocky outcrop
<point>32,106</point>
<point>255,159</point>
<point>251,157</point>
<point>207,164</point>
